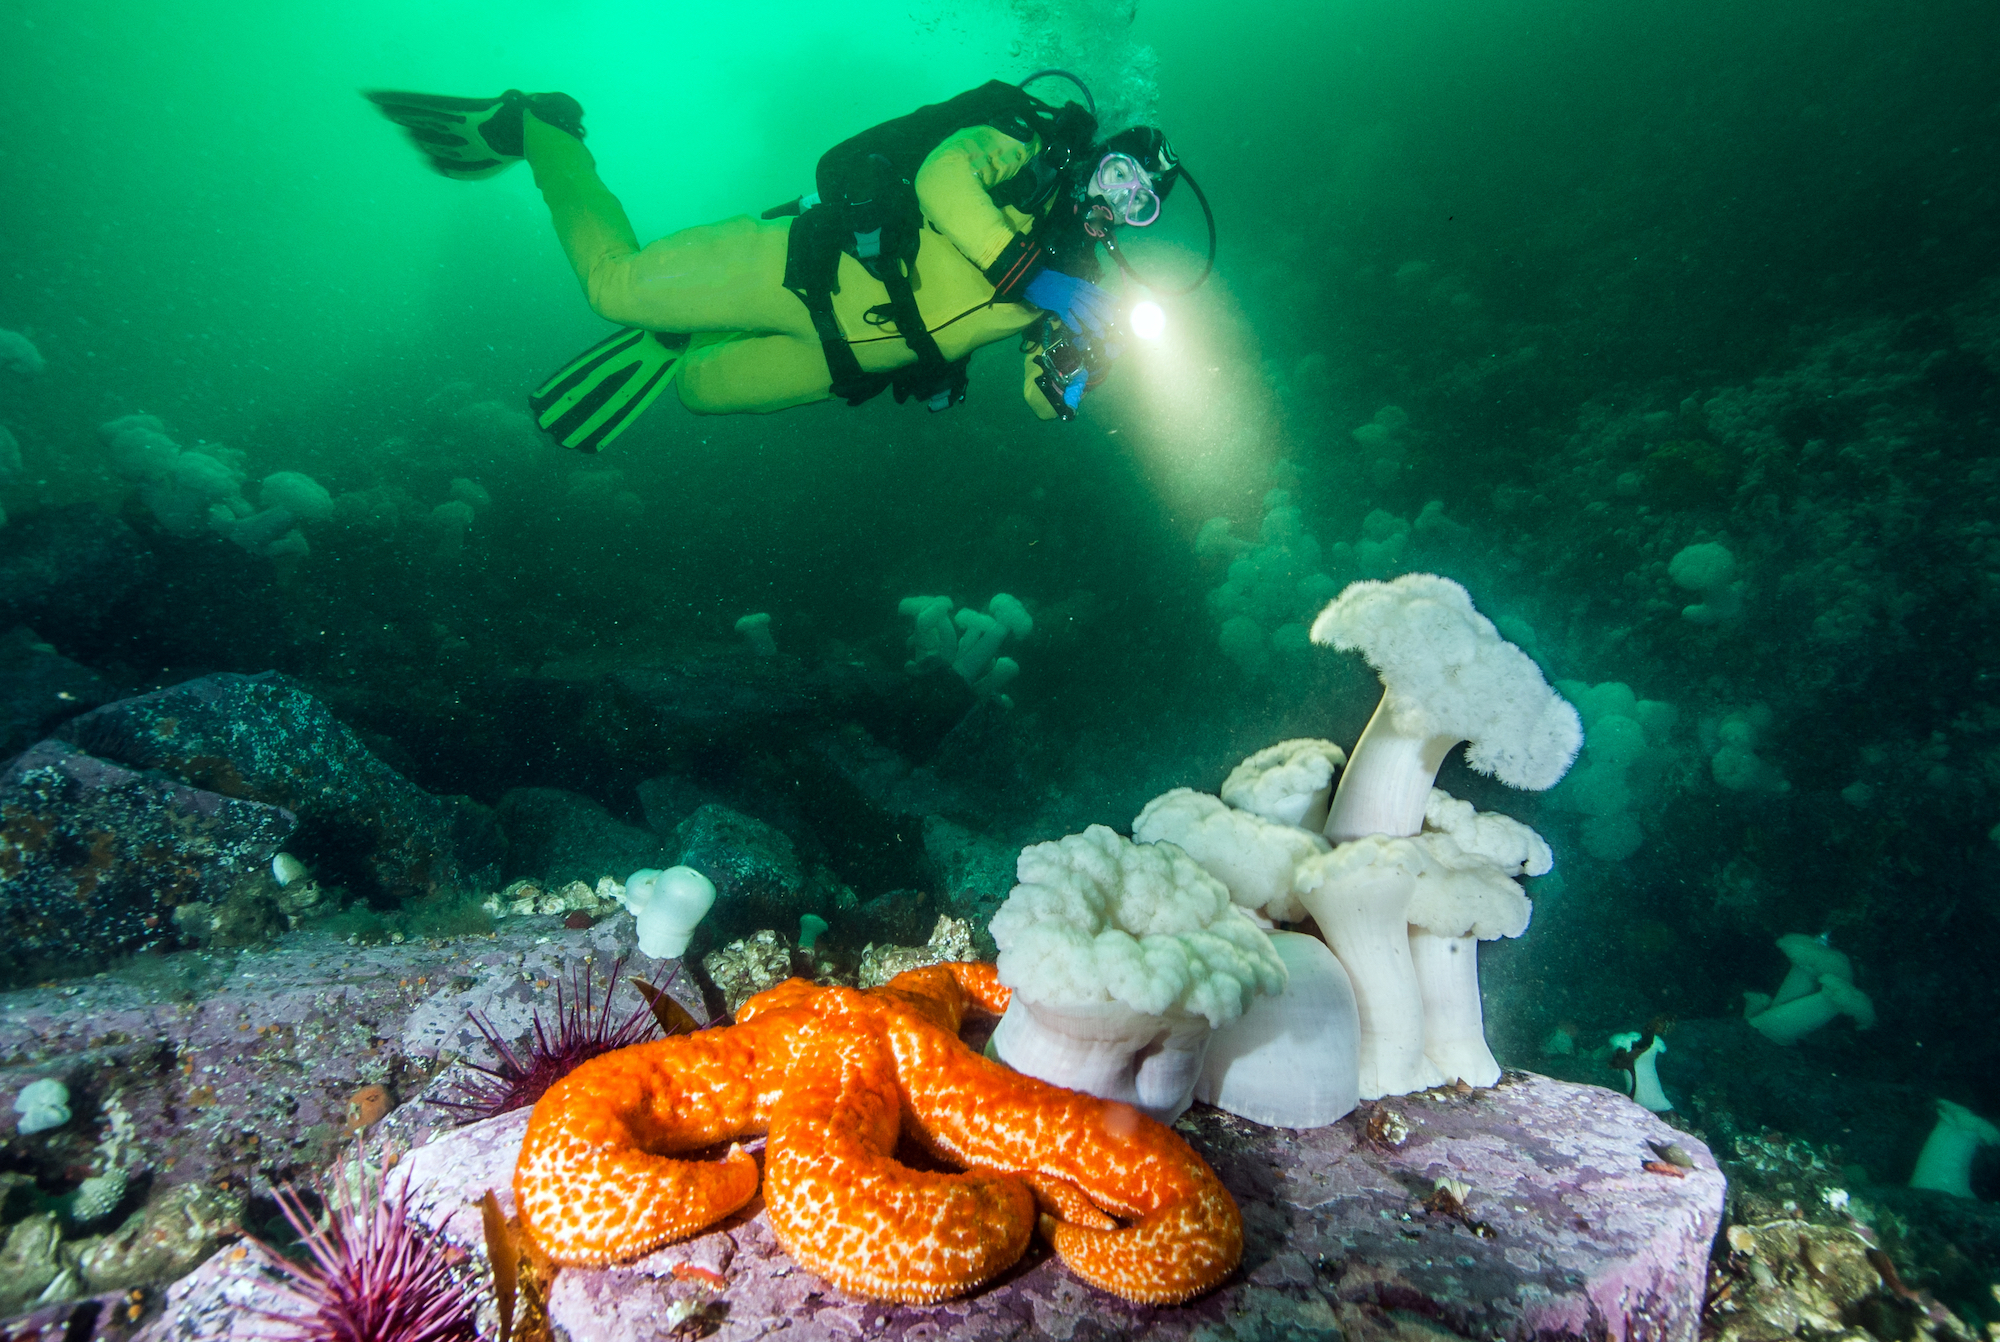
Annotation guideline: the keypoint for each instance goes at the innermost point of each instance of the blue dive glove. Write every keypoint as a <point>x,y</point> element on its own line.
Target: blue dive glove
<point>1073,389</point>
<point>1082,305</point>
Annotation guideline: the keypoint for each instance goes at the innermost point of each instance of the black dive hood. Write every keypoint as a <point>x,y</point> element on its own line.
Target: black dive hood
<point>1148,145</point>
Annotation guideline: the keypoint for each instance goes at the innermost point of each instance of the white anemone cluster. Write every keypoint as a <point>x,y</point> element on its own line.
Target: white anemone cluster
<point>1401,882</point>
<point>199,491</point>
<point>1818,989</point>
<point>969,640</point>
<point>1625,758</point>
<point>1274,582</point>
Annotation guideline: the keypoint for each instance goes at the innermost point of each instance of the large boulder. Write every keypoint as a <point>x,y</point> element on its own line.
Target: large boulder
<point>264,738</point>
<point>95,858</point>
<point>212,1078</point>
<point>556,837</point>
<point>613,715</point>
<point>1564,1233</point>
<point>867,809</point>
<point>64,570</point>
<point>759,880</point>
<point>985,756</point>
<point>910,713</point>
<point>971,873</point>
<point>667,800</point>
<point>39,687</point>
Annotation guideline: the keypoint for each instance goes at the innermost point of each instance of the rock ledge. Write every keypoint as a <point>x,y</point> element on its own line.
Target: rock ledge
<point>1564,1233</point>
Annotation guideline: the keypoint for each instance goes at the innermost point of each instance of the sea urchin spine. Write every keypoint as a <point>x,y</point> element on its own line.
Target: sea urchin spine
<point>583,1030</point>
<point>375,1274</point>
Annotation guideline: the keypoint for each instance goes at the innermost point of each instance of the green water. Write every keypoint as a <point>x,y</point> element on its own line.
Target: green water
<point>1635,277</point>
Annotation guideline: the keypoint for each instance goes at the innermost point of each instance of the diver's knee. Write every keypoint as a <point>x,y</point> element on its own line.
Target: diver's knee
<point>611,307</point>
<point>611,297</point>
<point>698,392</point>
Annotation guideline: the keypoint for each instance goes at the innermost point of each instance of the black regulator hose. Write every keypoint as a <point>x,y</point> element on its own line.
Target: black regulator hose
<point>1088,101</point>
<point>1208,267</point>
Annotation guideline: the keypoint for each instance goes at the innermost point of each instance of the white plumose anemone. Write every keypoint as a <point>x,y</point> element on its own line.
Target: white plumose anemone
<point>1466,896</point>
<point>1360,896</point>
<point>1123,958</point>
<point>1290,782</point>
<point>1293,1060</point>
<point>1945,1163</point>
<point>1447,676</point>
<point>1462,899</point>
<point>667,906</point>
<point>1252,856</point>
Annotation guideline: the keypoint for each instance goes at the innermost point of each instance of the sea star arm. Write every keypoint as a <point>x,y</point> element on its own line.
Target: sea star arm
<point>1174,1253</point>
<point>942,994</point>
<point>1184,1232</point>
<point>595,1181</point>
<point>1064,1201</point>
<point>979,981</point>
<point>845,1208</point>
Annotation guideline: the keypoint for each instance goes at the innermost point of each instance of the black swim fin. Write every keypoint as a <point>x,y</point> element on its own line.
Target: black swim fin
<point>595,396</point>
<point>470,138</point>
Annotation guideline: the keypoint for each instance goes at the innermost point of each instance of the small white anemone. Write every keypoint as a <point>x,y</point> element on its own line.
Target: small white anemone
<point>1794,1020</point>
<point>1646,1088</point>
<point>43,1106</point>
<point>667,906</point>
<point>934,640</point>
<point>756,631</point>
<point>1810,958</point>
<point>980,635</point>
<point>1290,782</point>
<point>1945,1163</point>
<point>1710,569</point>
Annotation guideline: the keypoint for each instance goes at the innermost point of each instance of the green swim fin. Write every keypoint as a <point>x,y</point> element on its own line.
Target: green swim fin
<point>595,396</point>
<point>471,138</point>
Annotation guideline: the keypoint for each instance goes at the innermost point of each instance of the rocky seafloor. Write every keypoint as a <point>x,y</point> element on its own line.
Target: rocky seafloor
<point>1563,1232</point>
<point>1568,1225</point>
<point>225,1022</point>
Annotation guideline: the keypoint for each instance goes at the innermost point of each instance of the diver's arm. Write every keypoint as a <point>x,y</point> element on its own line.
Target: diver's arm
<point>953,186</point>
<point>595,234</point>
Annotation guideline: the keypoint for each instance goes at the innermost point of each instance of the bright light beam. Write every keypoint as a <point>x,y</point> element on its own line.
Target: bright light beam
<point>1148,321</point>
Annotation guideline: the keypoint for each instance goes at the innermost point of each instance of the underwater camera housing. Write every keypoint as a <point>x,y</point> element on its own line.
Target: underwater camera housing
<point>1072,362</point>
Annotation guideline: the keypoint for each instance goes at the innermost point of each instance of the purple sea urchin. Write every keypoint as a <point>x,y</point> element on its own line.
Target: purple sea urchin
<point>375,1275</point>
<point>583,1030</point>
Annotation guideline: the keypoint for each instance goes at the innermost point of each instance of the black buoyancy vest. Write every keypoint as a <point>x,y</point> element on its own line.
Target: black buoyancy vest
<point>868,210</point>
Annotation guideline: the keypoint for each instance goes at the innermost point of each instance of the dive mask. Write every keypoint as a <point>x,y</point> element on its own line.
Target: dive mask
<point>1126,189</point>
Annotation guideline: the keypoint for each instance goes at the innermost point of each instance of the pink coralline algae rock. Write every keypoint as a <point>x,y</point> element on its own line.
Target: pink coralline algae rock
<point>1564,1233</point>
<point>237,1067</point>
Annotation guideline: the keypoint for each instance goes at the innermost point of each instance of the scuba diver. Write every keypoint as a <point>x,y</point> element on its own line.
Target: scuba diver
<point>963,223</point>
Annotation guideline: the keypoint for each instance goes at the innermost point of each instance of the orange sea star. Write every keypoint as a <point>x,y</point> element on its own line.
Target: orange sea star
<point>835,1076</point>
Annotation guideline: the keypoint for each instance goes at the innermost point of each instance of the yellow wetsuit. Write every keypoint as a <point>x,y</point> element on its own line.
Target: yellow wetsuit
<point>751,342</point>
